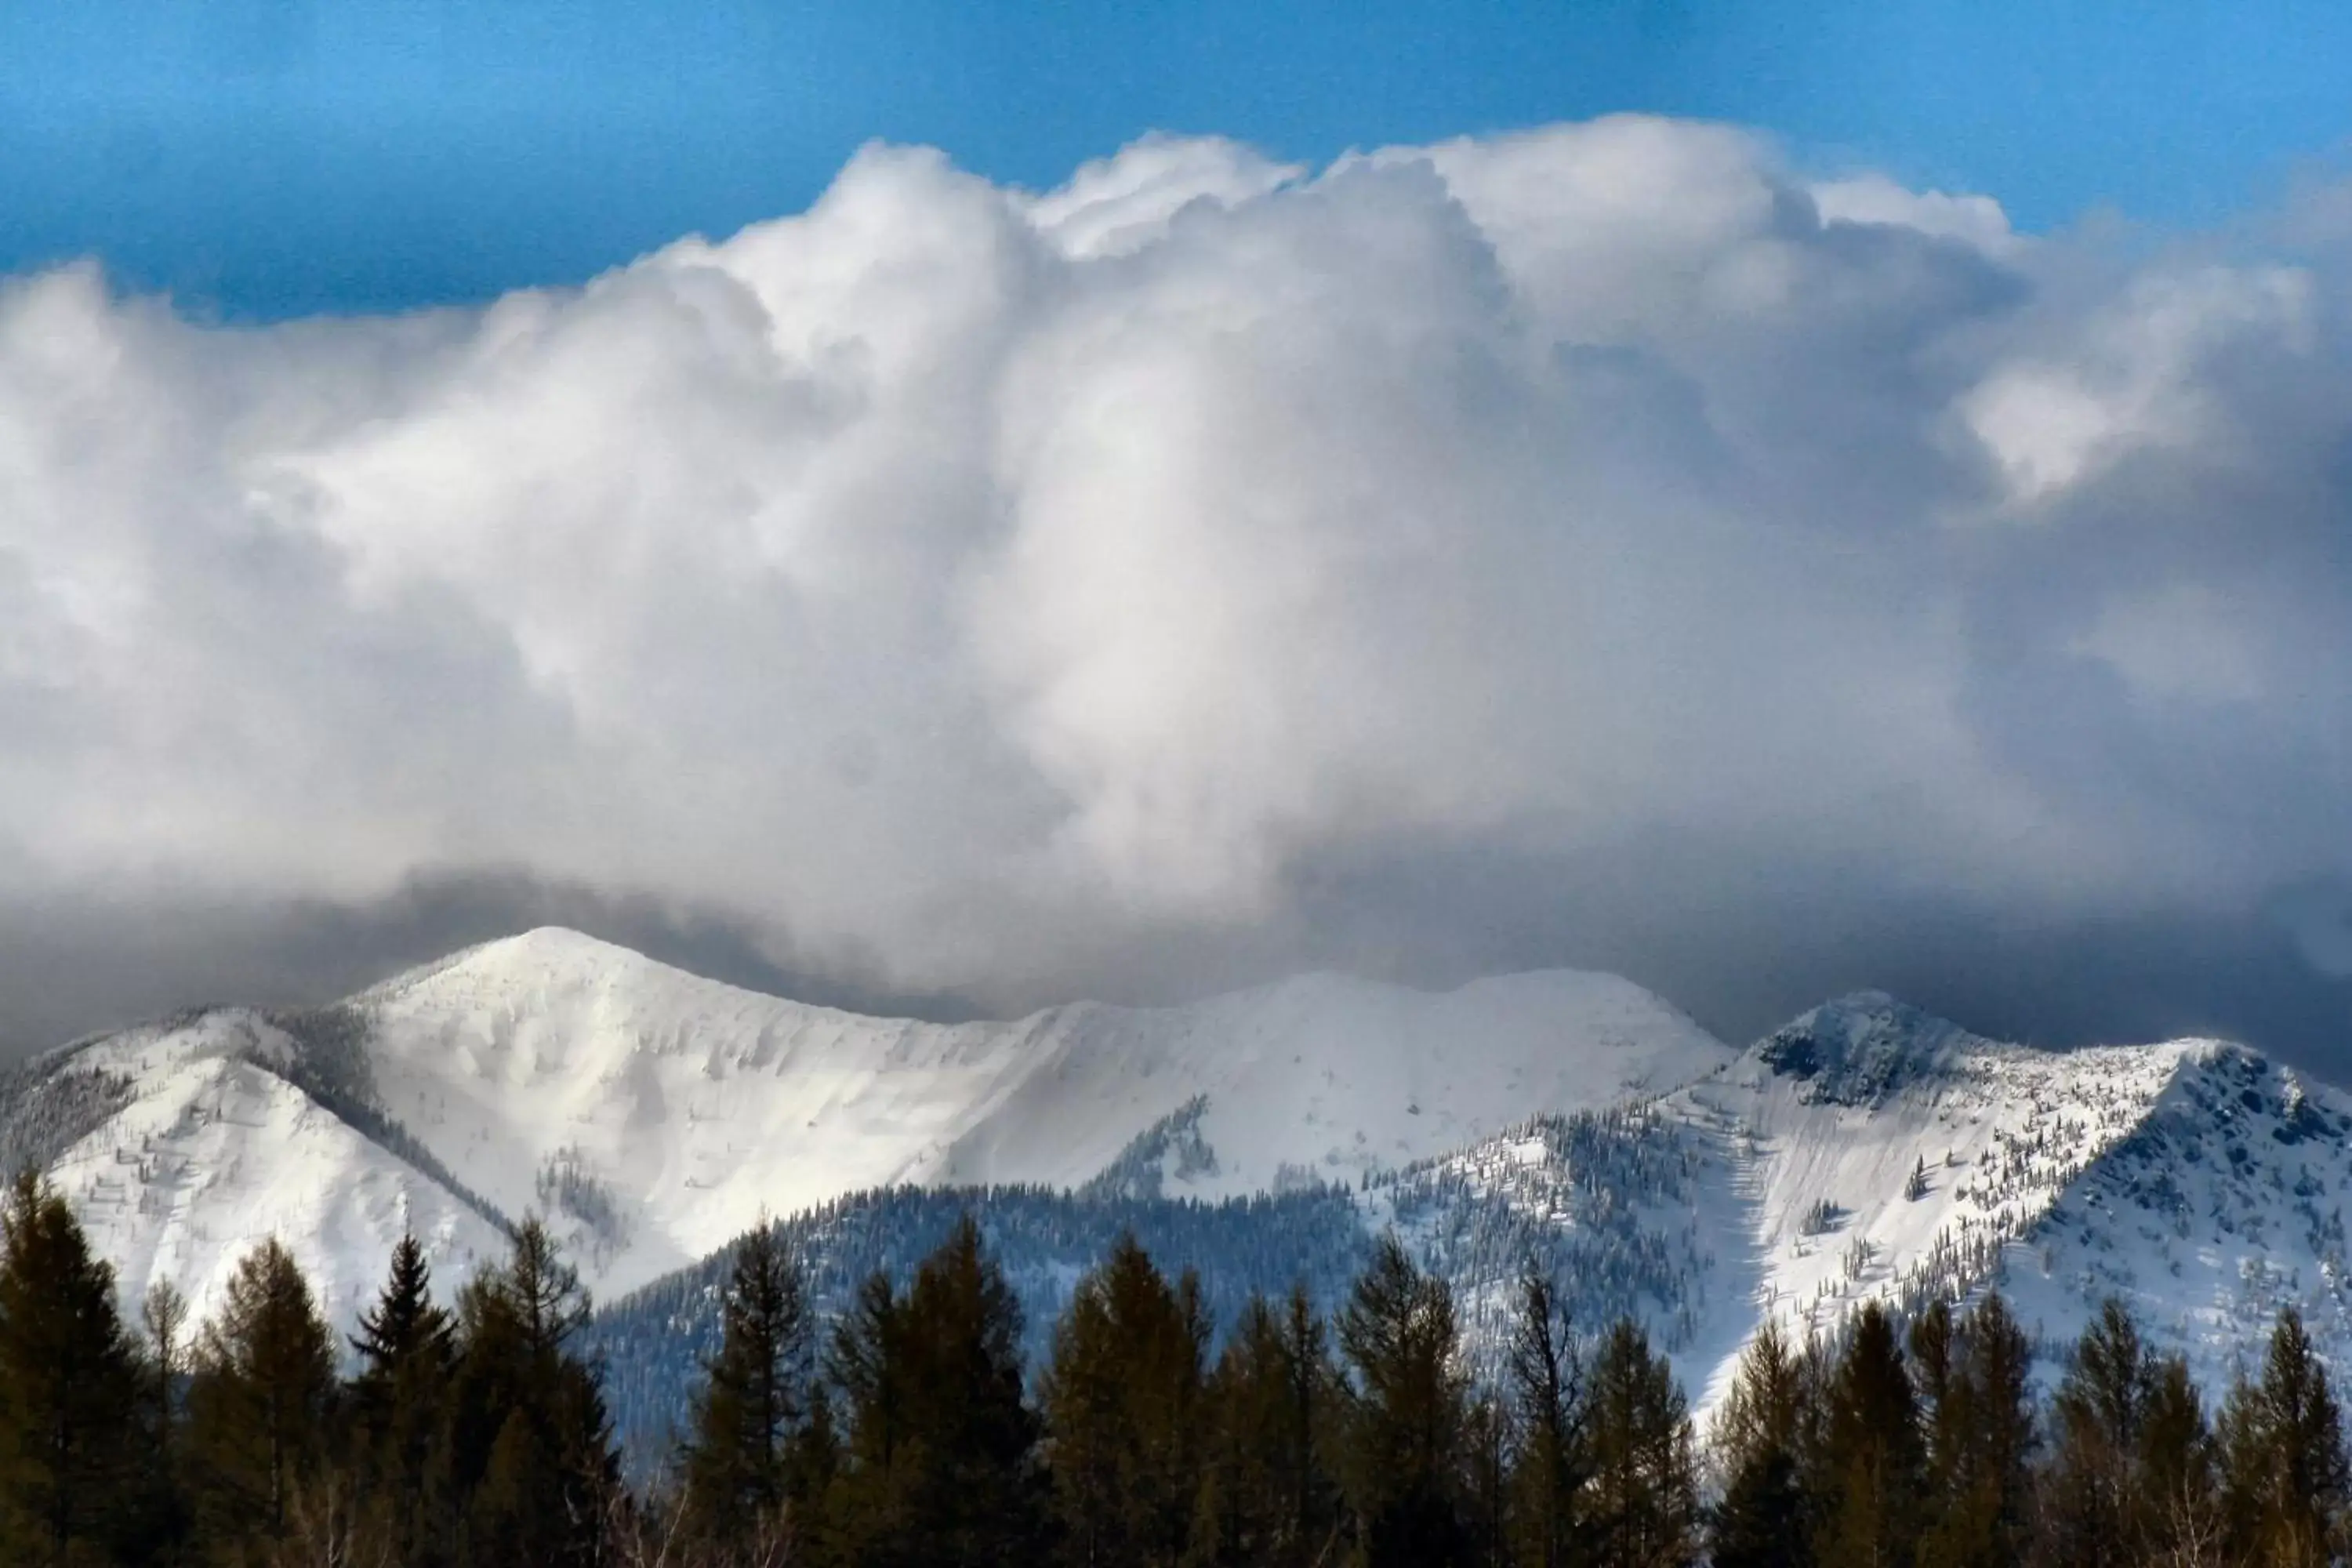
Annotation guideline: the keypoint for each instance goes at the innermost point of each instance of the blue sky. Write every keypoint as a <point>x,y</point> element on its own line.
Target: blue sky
<point>267,158</point>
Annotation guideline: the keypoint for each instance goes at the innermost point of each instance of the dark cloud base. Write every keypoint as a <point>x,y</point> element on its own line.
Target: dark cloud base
<point>79,968</point>
<point>1743,944</point>
<point>86,968</point>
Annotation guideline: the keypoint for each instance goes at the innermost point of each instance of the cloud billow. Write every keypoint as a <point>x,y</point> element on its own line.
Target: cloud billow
<point>1213,564</point>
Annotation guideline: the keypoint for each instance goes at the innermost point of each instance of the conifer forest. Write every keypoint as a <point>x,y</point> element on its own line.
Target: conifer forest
<point>913,1427</point>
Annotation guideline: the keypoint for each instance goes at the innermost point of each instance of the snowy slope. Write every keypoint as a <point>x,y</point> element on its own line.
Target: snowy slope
<point>1867,1150</point>
<point>652,1115</point>
<point>1874,1151</point>
<point>212,1151</point>
<point>1864,1150</point>
<point>657,1114</point>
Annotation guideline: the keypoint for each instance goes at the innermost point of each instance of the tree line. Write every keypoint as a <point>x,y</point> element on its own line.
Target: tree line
<point>910,1430</point>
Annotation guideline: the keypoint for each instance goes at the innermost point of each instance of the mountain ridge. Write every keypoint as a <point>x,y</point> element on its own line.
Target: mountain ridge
<point>650,1114</point>
<point>2193,1179</point>
<point>1863,1150</point>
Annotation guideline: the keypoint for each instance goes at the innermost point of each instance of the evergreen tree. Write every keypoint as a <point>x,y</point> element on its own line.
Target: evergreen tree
<point>164,1315</point>
<point>2242,1443</point>
<point>812,1471</point>
<point>870,1364</point>
<point>69,1389</point>
<point>1267,1494</point>
<point>1939,1383</point>
<point>2175,1478</point>
<point>738,1462</point>
<point>2092,1516</point>
<point>2287,1460</point>
<point>940,1469</point>
<point>1547,1384</point>
<point>1312,1388</point>
<point>1870,1457</point>
<point>1644,1509</point>
<point>1399,1335</point>
<point>1489,1446</point>
<point>1974,1379</point>
<point>1122,1404</point>
<point>1762,1519</point>
<point>533,1468</point>
<point>258,1405</point>
<point>407,1349</point>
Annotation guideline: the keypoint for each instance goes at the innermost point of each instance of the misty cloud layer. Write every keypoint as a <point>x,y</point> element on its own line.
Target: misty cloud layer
<point>1599,546</point>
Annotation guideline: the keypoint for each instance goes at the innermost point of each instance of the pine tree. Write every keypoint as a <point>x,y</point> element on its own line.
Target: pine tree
<point>813,1469</point>
<point>738,1462</point>
<point>2093,1513</point>
<point>1547,1381</point>
<point>1872,1455</point>
<point>2242,1443</point>
<point>1644,1510</point>
<point>1269,1496</point>
<point>1399,1335</point>
<point>70,1388</point>
<point>1238,1509</point>
<point>1939,1383</point>
<point>1311,1389</point>
<point>531,1462</point>
<point>1974,1375</point>
<point>164,1315</point>
<point>1122,1401</point>
<point>2174,1478</point>
<point>259,1405</point>
<point>939,1468</point>
<point>870,1364</point>
<point>2288,1460</point>
<point>407,1349</point>
<point>1762,1519</point>
<point>1489,1446</point>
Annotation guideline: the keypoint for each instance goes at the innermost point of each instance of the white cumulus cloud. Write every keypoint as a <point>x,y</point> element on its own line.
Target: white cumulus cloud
<point>972,588</point>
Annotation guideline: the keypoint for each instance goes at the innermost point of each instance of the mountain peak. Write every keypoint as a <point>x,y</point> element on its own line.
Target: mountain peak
<point>561,946</point>
<point>1859,1049</point>
<point>570,959</point>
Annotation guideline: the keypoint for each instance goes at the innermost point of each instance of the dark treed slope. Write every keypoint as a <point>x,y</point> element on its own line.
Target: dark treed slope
<point>910,1427</point>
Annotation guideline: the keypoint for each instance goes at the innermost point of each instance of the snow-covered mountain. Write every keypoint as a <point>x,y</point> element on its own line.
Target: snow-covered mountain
<point>1881,1151</point>
<point>180,1145</point>
<point>1571,1121</point>
<point>652,1115</point>
<point>1865,1150</point>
